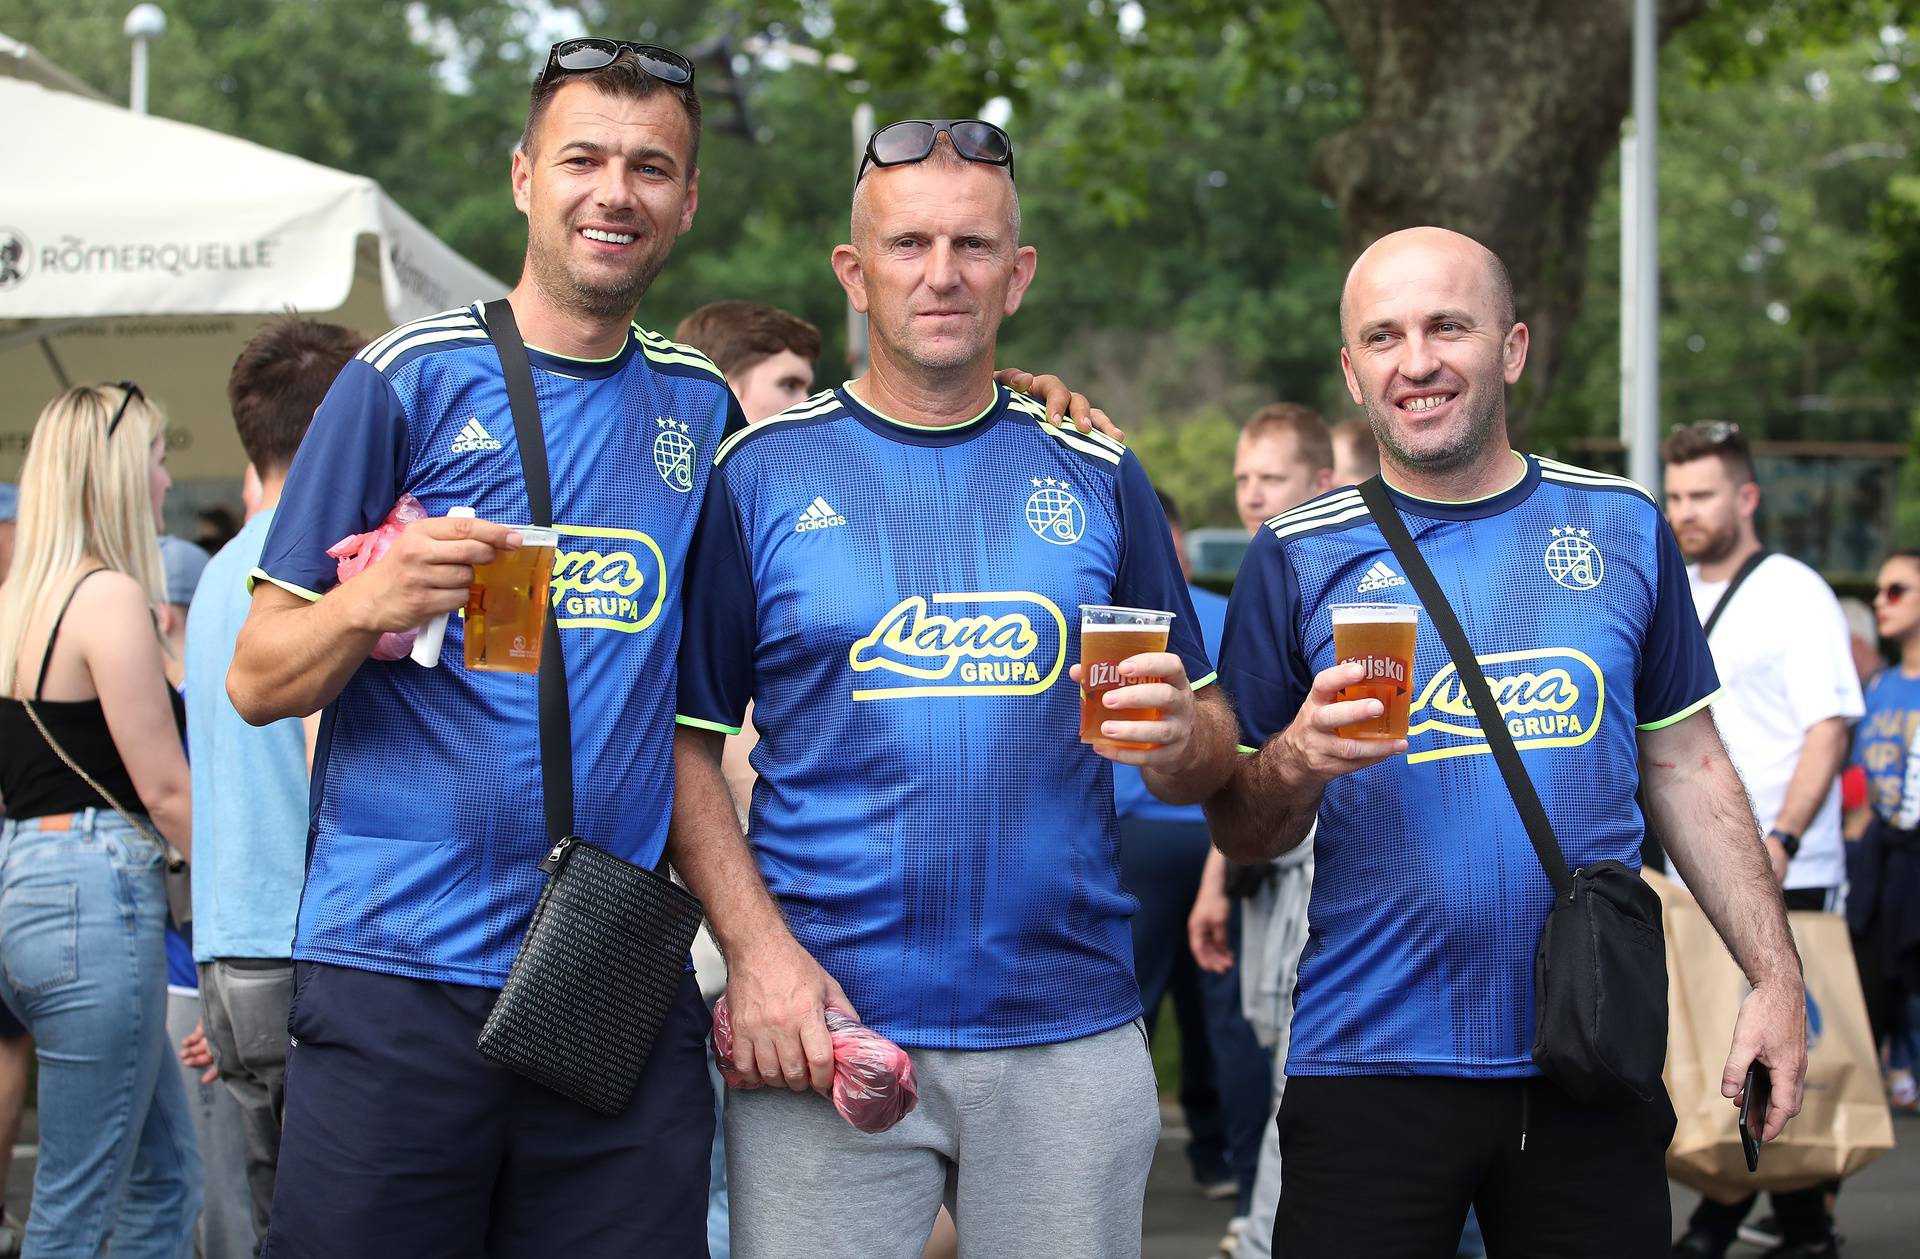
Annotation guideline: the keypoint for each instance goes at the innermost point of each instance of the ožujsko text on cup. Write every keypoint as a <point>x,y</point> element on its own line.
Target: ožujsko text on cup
<point>1109,635</point>
<point>1379,636</point>
<point>507,604</point>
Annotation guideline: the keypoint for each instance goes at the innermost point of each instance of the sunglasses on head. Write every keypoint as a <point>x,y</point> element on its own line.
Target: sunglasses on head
<point>1715,431</point>
<point>589,53</point>
<point>1892,592</point>
<point>904,143</point>
<point>130,392</point>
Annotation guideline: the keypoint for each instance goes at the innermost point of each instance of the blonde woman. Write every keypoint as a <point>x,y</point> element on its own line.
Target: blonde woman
<point>85,714</point>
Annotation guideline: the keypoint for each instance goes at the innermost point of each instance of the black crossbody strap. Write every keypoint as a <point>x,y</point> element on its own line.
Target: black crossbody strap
<point>1746,571</point>
<point>556,725</point>
<point>1373,492</point>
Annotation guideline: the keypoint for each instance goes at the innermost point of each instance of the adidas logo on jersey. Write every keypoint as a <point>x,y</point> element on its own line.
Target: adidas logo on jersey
<point>1380,577</point>
<point>474,438</point>
<point>818,515</point>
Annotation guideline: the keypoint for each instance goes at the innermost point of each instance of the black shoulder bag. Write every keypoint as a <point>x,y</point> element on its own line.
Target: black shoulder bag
<point>1600,970</point>
<point>605,953</point>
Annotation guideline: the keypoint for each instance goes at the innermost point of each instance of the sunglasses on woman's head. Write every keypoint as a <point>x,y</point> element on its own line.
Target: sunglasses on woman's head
<point>130,391</point>
<point>1892,592</point>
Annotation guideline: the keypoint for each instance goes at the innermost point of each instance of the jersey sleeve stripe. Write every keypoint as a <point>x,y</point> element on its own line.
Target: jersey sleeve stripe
<point>1283,530</point>
<point>259,575</point>
<point>381,344</point>
<point>1244,750</point>
<point>1339,502</point>
<point>1625,487</point>
<point>1209,680</point>
<point>424,339</point>
<point>1073,440</point>
<point>821,404</point>
<point>1589,474</point>
<point>681,719</point>
<point>1684,713</point>
<point>1569,474</point>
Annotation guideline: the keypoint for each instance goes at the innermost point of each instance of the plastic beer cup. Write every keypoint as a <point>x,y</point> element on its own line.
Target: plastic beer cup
<point>507,604</point>
<point>1108,636</point>
<point>1380,636</point>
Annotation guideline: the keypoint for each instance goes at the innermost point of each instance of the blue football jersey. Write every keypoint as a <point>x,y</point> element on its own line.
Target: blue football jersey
<point>901,605</point>
<point>427,825</point>
<point>1883,741</point>
<point>1131,798</point>
<point>1428,900</point>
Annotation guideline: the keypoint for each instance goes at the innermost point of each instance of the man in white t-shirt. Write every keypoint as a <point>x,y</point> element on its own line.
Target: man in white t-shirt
<point>1781,647</point>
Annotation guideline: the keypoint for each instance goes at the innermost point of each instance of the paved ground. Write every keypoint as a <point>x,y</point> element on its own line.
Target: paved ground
<point>1879,1212</point>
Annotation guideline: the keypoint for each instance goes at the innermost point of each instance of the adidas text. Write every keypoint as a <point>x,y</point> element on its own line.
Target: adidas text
<point>474,438</point>
<point>1380,577</point>
<point>818,515</point>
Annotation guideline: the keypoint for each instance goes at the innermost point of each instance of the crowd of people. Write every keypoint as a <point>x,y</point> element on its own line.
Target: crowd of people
<point>819,657</point>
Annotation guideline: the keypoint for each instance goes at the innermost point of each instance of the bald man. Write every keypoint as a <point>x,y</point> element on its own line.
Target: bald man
<point>1412,1091</point>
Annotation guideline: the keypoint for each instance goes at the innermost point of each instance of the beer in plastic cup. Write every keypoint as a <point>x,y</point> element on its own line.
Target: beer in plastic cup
<point>507,604</point>
<point>1108,636</point>
<point>1380,636</point>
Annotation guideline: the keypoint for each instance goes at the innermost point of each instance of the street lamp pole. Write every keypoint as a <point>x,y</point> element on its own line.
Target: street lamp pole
<point>143,25</point>
<point>1643,449</point>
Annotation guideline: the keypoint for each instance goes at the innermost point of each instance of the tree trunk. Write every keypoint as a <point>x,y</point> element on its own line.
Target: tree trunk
<point>1494,118</point>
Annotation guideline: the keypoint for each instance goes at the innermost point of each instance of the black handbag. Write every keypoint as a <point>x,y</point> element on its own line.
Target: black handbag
<point>605,953</point>
<point>1600,970</point>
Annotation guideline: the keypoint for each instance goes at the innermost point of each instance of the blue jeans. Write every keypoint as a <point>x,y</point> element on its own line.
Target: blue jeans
<point>82,960</point>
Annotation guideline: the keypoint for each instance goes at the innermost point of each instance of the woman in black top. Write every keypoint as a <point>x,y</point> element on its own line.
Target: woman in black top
<point>94,778</point>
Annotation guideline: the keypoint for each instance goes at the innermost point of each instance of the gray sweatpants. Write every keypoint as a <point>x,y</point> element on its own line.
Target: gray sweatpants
<point>1037,1150</point>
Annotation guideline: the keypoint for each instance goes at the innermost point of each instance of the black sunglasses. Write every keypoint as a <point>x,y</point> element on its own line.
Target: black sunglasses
<point>903,143</point>
<point>1892,592</point>
<point>579,56</point>
<point>1715,431</point>
<point>131,391</point>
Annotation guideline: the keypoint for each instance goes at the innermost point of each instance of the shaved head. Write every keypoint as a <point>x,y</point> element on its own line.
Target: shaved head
<point>1425,242</point>
<point>1429,345</point>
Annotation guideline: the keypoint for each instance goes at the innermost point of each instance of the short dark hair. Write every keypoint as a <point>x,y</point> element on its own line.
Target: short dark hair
<point>624,76</point>
<point>1711,440</point>
<point>278,381</point>
<point>1312,439</point>
<point>1358,433</point>
<point>738,336</point>
<point>1170,508</point>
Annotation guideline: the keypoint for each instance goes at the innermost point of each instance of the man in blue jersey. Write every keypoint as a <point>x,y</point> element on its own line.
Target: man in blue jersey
<point>427,835</point>
<point>1412,1092</point>
<point>891,572</point>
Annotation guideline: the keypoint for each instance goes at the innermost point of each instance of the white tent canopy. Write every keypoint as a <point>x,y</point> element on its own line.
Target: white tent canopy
<point>134,247</point>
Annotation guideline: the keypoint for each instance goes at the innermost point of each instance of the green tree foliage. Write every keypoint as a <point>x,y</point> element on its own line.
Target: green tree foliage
<point>1174,171</point>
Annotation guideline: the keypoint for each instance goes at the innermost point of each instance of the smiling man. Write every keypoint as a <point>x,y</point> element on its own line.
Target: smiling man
<point>1412,1092</point>
<point>423,856</point>
<point>892,574</point>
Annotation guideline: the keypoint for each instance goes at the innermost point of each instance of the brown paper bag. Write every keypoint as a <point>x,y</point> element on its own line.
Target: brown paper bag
<point>1843,1123</point>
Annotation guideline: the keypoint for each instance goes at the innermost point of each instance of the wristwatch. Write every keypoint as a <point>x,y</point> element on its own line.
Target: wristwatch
<point>1787,840</point>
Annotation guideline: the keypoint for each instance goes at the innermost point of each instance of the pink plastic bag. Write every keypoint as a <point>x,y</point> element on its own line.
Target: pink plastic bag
<point>872,1077</point>
<point>357,550</point>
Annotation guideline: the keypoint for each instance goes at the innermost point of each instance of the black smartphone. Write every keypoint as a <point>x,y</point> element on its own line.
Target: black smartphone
<point>1754,1096</point>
